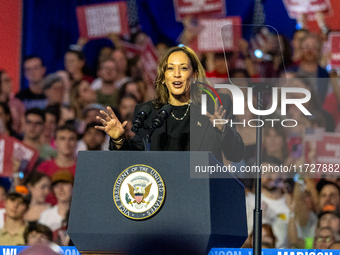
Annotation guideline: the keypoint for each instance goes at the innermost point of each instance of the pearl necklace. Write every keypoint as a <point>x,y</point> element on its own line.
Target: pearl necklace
<point>185,114</point>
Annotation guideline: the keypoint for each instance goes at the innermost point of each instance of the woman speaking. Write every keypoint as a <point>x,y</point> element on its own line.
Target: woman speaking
<point>179,84</point>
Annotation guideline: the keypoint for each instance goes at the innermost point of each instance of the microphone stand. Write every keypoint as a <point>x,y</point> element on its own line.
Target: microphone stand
<point>259,87</point>
<point>147,143</point>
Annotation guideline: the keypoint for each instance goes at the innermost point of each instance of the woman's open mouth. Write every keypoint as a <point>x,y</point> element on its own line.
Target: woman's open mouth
<point>177,84</point>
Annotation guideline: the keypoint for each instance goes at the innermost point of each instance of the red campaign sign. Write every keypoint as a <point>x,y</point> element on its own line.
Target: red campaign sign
<point>149,61</point>
<point>12,148</point>
<point>131,49</point>
<point>297,7</point>
<point>209,39</point>
<point>98,20</point>
<point>184,8</point>
<point>334,39</point>
<point>326,151</point>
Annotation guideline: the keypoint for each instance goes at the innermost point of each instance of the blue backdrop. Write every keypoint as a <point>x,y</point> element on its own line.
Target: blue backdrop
<point>49,27</point>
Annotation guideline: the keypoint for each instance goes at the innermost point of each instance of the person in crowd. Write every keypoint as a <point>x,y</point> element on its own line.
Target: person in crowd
<point>298,38</point>
<point>39,186</point>
<point>67,86</point>
<point>275,210</point>
<point>313,106</point>
<point>220,69</point>
<point>330,217</point>
<point>66,142</point>
<point>93,139</point>
<point>81,95</point>
<point>309,65</point>
<point>147,92</point>
<point>41,249</point>
<point>121,60</point>
<point>302,218</point>
<point>268,238</point>
<point>91,112</point>
<point>126,105</point>
<point>274,142</point>
<point>37,233</point>
<point>324,238</point>
<point>323,195</point>
<point>108,93</point>
<point>74,62</point>
<point>329,194</point>
<point>52,116</point>
<point>6,119</point>
<point>33,130</point>
<point>176,69</point>
<point>33,96</point>
<point>16,205</point>
<point>62,185</point>
<point>16,107</point>
<point>132,88</point>
<point>53,88</point>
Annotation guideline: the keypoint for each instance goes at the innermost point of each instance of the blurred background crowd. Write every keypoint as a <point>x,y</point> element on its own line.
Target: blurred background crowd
<point>55,115</point>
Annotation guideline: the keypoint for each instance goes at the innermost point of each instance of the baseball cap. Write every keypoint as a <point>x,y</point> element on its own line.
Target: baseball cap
<point>62,176</point>
<point>94,106</point>
<point>50,80</point>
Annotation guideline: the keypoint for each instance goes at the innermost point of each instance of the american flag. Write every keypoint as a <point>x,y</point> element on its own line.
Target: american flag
<point>314,134</point>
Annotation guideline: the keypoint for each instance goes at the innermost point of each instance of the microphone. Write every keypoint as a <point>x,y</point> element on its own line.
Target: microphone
<point>142,115</point>
<point>163,114</point>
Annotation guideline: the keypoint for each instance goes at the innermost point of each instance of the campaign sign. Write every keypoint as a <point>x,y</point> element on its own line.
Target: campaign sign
<point>209,39</point>
<point>149,60</point>
<point>131,49</point>
<point>325,151</point>
<point>194,8</point>
<point>98,20</point>
<point>334,39</point>
<point>13,151</point>
<point>297,7</point>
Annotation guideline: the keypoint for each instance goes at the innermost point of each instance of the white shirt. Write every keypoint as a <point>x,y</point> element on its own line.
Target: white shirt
<point>275,212</point>
<point>51,218</point>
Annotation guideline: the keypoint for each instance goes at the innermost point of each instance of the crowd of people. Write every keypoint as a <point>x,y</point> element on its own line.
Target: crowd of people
<point>56,115</point>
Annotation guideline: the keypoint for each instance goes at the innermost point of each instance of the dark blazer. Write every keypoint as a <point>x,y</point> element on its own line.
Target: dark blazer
<point>204,137</point>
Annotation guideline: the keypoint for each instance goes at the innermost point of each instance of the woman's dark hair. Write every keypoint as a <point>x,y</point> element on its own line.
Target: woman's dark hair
<point>162,93</point>
<point>122,91</point>
<point>128,95</point>
<point>280,131</point>
<point>233,72</point>
<point>54,110</point>
<point>80,55</point>
<point>34,177</point>
<point>8,124</point>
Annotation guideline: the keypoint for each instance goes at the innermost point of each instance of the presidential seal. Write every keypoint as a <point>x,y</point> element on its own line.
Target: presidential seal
<point>139,192</point>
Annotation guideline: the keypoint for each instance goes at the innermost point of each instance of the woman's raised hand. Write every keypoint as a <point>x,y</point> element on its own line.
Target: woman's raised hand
<point>219,114</point>
<point>111,125</point>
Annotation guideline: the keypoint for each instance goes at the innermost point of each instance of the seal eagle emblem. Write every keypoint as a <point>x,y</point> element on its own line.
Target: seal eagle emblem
<point>139,192</point>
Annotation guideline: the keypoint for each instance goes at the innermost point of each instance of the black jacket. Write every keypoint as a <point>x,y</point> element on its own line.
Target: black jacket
<point>203,136</point>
